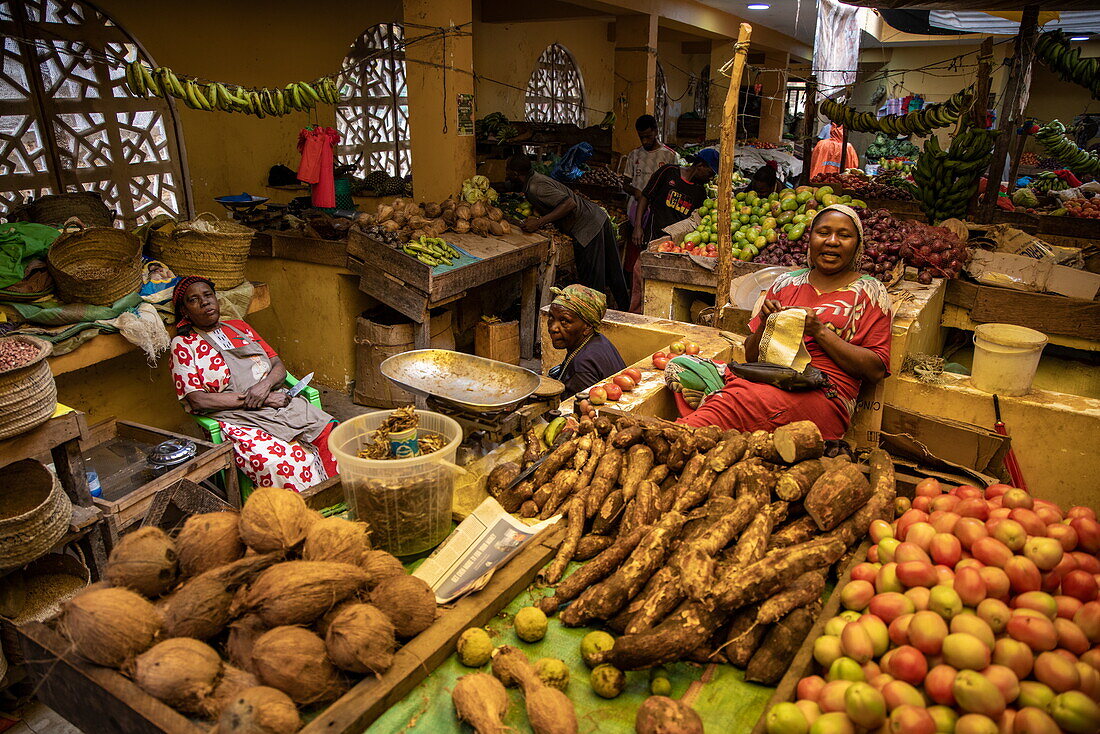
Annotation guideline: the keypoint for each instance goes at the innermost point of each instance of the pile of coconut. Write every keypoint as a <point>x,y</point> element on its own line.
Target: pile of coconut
<point>244,618</point>
<point>432,220</point>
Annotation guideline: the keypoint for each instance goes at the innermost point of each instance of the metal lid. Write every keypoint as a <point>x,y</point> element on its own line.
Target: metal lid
<point>172,452</point>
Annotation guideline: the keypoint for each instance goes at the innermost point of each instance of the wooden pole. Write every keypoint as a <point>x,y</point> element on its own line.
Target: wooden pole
<point>809,131</point>
<point>725,167</point>
<point>979,110</point>
<point>844,151</point>
<point>1008,120</point>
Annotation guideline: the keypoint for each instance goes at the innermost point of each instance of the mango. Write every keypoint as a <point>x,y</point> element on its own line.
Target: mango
<point>834,722</point>
<point>945,601</point>
<point>1031,720</point>
<point>1075,712</point>
<point>927,631</point>
<point>864,705</point>
<point>944,718</point>
<point>976,694</point>
<point>855,642</point>
<point>845,668</point>
<point>1034,693</point>
<point>786,718</point>
<point>972,624</point>
<point>975,724</point>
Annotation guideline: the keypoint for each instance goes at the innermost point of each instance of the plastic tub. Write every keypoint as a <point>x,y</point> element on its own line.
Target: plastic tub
<point>1005,358</point>
<point>407,502</point>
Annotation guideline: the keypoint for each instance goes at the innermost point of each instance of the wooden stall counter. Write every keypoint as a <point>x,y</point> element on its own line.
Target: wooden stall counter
<point>412,288</point>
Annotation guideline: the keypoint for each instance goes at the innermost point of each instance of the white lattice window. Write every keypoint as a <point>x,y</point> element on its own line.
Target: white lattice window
<point>68,121</point>
<point>373,114</point>
<point>660,101</point>
<point>555,92</point>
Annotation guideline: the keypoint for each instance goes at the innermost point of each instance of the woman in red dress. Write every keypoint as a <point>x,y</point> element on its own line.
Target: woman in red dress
<point>847,335</point>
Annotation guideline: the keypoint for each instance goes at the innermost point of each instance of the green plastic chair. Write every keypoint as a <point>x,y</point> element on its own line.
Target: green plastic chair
<point>213,431</point>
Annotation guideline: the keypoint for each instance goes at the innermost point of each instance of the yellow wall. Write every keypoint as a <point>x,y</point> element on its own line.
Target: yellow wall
<point>507,52</point>
<point>251,44</point>
<point>677,67</point>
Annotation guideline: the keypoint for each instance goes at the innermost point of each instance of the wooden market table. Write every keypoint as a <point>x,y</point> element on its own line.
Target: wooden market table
<point>412,289</point>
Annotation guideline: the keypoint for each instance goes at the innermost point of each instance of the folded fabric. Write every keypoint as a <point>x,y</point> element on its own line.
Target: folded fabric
<point>52,313</point>
<point>688,372</point>
<point>21,242</point>
<point>783,341</point>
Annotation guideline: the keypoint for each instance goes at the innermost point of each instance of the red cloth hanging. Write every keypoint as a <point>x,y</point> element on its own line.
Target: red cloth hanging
<point>316,167</point>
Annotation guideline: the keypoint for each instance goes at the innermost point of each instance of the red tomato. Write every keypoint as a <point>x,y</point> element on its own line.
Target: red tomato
<point>660,362</point>
<point>691,348</point>
<point>634,374</point>
<point>677,348</point>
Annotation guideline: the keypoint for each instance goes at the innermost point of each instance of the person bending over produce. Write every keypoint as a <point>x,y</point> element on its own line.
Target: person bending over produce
<point>225,370</point>
<point>594,246</point>
<point>765,180</point>
<point>574,323</point>
<point>847,335</point>
<point>826,156</point>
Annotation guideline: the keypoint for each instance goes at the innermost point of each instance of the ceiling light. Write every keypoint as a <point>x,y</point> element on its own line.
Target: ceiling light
<point>759,6</point>
<point>1072,38</point>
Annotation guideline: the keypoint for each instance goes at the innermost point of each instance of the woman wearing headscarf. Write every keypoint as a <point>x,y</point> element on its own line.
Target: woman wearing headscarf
<point>846,335</point>
<point>573,324</point>
<point>226,371</point>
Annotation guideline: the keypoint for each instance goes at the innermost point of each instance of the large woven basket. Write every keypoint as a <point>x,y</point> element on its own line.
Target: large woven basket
<point>28,394</point>
<point>97,265</point>
<point>56,209</point>
<point>34,512</point>
<point>208,247</point>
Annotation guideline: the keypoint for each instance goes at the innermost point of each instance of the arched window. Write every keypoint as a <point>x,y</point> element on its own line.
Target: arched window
<point>702,92</point>
<point>555,92</point>
<point>660,101</point>
<point>373,114</point>
<point>69,123</point>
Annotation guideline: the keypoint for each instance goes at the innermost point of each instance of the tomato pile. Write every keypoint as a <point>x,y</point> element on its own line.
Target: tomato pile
<point>976,611</point>
<point>1087,208</point>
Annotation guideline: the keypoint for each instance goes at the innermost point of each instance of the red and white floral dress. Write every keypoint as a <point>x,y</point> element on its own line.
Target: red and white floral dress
<point>268,461</point>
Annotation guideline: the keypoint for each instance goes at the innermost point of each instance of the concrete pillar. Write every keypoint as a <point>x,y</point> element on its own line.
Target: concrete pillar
<point>773,90</point>
<point>635,76</point>
<point>441,158</point>
<point>721,51</point>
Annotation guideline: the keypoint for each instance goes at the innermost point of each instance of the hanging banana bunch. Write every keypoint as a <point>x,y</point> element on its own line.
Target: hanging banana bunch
<point>946,180</point>
<point>921,122</point>
<point>209,96</point>
<point>1065,61</point>
<point>1053,139</point>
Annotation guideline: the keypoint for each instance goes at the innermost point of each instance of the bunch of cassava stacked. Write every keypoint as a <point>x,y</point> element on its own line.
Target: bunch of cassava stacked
<point>298,606</point>
<point>702,543</point>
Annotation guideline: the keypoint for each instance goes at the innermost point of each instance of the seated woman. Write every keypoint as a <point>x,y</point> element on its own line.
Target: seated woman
<point>225,370</point>
<point>847,335</point>
<point>574,323</point>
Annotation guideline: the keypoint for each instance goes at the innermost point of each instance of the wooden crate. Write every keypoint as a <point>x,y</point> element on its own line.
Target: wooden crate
<point>101,700</point>
<point>121,438</point>
<point>803,662</point>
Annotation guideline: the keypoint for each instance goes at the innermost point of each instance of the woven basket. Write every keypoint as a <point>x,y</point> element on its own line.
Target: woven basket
<point>56,209</point>
<point>34,512</point>
<point>219,255</point>
<point>28,394</point>
<point>97,265</point>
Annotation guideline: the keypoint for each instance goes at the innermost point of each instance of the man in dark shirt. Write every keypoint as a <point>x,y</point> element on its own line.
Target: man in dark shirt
<point>594,248</point>
<point>673,193</point>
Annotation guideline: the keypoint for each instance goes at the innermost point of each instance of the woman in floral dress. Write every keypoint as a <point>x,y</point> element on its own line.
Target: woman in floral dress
<point>226,371</point>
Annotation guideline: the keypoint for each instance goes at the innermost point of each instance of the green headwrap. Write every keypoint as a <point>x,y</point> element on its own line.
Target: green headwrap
<point>588,303</point>
<point>856,222</point>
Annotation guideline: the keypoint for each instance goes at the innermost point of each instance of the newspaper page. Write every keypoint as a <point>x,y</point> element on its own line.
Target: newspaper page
<point>481,543</point>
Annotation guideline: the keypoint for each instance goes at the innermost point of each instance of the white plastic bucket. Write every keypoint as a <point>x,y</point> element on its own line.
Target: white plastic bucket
<point>407,502</point>
<point>1005,358</point>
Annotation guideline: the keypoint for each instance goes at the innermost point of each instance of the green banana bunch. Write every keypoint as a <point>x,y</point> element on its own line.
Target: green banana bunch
<point>1065,61</point>
<point>432,251</point>
<point>946,180</point>
<point>921,122</point>
<point>294,97</point>
<point>1053,139</point>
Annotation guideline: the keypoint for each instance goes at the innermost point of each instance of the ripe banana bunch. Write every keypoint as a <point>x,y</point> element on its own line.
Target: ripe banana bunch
<point>1053,139</point>
<point>1054,49</point>
<point>920,122</point>
<point>946,180</point>
<point>209,96</point>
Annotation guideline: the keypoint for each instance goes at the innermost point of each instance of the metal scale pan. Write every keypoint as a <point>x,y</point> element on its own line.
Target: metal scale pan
<point>463,380</point>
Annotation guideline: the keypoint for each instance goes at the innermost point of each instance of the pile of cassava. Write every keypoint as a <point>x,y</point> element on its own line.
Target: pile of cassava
<point>700,544</point>
<point>242,618</point>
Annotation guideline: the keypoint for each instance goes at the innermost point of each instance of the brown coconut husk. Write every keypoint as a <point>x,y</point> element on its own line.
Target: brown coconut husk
<point>232,684</point>
<point>179,671</point>
<point>293,660</point>
<point>207,541</point>
<point>109,626</point>
<point>337,539</point>
<point>323,622</point>
<point>380,566</point>
<point>145,561</point>
<point>274,520</point>
<point>297,592</point>
<point>360,639</point>
<point>243,634</point>
<point>203,606</point>
<point>260,710</point>
<point>409,603</point>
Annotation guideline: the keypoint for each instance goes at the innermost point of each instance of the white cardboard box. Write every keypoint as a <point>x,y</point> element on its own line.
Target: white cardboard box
<point>1028,274</point>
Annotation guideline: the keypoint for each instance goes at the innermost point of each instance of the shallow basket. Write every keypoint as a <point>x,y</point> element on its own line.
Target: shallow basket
<point>57,209</point>
<point>28,393</point>
<point>219,255</point>
<point>96,265</point>
<point>34,512</point>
